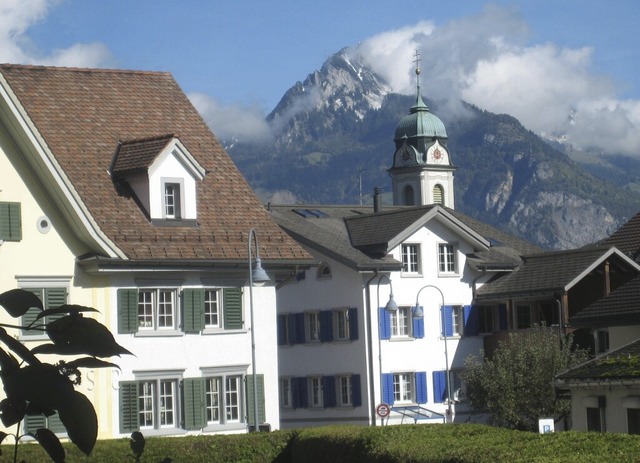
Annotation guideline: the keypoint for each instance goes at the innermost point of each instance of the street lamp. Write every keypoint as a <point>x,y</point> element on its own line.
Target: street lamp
<point>259,277</point>
<point>390,307</point>
<point>418,312</point>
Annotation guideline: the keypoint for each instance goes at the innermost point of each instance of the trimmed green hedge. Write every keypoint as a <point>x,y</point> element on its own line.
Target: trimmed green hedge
<point>465,443</point>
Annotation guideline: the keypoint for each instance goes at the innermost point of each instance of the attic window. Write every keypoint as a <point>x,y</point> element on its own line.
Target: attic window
<point>172,200</point>
<point>307,213</point>
<point>324,271</point>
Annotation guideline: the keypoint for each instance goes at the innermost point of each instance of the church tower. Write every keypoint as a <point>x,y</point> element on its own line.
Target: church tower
<point>422,171</point>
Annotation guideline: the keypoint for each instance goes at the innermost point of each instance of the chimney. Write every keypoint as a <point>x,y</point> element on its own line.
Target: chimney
<point>377,199</point>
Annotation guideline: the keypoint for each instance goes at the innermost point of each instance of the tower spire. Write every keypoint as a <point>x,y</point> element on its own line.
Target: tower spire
<point>416,60</point>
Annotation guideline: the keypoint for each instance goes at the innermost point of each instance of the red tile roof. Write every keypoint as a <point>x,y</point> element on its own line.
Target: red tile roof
<point>138,154</point>
<point>83,113</point>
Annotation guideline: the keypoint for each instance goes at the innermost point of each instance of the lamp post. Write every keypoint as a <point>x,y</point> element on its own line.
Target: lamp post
<point>418,313</point>
<point>390,307</point>
<point>259,277</point>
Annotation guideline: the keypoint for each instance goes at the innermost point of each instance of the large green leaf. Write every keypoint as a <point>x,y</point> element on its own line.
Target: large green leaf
<point>40,384</point>
<point>75,334</point>
<point>65,309</point>
<point>17,301</point>
<point>12,411</point>
<point>81,422</point>
<point>50,443</point>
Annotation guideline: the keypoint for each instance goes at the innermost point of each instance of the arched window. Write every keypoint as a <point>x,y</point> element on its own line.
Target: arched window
<point>324,271</point>
<point>438,195</point>
<point>408,195</point>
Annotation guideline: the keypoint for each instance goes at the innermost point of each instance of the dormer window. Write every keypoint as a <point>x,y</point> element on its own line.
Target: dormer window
<point>172,197</point>
<point>163,175</point>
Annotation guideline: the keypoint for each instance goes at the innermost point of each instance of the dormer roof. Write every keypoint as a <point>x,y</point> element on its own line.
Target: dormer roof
<point>66,124</point>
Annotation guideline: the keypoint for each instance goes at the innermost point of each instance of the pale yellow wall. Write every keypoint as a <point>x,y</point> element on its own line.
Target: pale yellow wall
<point>51,254</point>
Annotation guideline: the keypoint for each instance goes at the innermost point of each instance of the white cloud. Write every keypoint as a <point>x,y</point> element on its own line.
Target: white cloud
<point>235,122</point>
<point>485,60</point>
<point>17,16</point>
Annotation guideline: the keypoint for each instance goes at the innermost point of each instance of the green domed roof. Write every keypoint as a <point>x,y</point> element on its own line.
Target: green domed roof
<point>420,122</point>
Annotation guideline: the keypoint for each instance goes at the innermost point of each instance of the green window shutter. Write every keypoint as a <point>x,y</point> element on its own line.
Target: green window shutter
<point>232,308</point>
<point>195,416</point>
<point>31,314</point>
<point>128,394</point>
<point>127,311</point>
<point>55,424</point>
<point>10,221</point>
<point>250,411</point>
<point>193,310</point>
<point>54,297</point>
<point>34,422</point>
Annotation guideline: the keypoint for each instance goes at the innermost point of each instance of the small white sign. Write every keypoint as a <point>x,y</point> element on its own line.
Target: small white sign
<point>383,410</point>
<point>545,425</point>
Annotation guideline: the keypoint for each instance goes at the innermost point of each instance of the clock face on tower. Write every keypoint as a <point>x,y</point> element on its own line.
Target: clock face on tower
<point>406,156</point>
<point>437,154</point>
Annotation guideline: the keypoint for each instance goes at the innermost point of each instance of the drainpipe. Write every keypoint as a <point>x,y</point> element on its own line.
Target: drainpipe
<point>372,390</point>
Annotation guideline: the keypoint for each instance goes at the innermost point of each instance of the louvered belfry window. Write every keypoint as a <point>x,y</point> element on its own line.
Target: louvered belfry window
<point>438,195</point>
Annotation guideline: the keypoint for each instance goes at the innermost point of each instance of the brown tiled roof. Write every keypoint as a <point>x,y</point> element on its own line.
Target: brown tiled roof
<point>82,113</point>
<point>618,308</point>
<point>626,238</point>
<point>138,154</point>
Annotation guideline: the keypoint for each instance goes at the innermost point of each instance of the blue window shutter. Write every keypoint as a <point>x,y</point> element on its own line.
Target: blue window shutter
<point>387,388</point>
<point>326,325</point>
<point>421,387</point>
<point>418,326</point>
<point>502,316</point>
<point>295,396</point>
<point>282,329</point>
<point>470,320</point>
<point>439,386</point>
<point>385,323</point>
<point>299,327</point>
<point>291,325</point>
<point>329,391</point>
<point>301,390</point>
<point>447,320</point>
<point>353,323</point>
<point>356,393</point>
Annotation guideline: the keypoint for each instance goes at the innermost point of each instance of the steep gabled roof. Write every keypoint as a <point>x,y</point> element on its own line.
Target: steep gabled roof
<point>550,272</point>
<point>622,364</point>
<point>361,239</point>
<point>618,308</point>
<point>626,238</point>
<point>76,117</point>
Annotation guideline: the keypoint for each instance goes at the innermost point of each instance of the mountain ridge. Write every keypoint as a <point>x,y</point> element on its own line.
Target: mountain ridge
<point>334,131</point>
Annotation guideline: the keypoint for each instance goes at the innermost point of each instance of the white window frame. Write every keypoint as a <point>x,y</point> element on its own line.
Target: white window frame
<point>457,320</point>
<point>178,198</point>
<point>213,308</point>
<point>411,259</point>
<point>447,259</point>
<point>156,379</point>
<point>401,322</point>
<point>151,321</point>
<point>404,387</point>
<point>225,376</point>
<point>286,395</point>
<point>312,326</point>
<point>341,324</point>
<point>316,393</point>
<point>344,389</point>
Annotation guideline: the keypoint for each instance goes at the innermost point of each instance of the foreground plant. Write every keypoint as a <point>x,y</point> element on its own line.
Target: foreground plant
<point>35,387</point>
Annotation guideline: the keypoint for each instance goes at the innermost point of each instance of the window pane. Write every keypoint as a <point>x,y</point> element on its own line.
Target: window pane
<point>170,200</point>
<point>145,309</point>
<point>167,404</point>
<point>232,397</point>
<point>285,392</point>
<point>400,322</point>
<point>213,400</point>
<point>212,308</point>
<point>524,316</point>
<point>316,392</point>
<point>410,258</point>
<point>313,321</point>
<point>446,258</point>
<point>165,309</point>
<point>146,398</point>
<point>345,390</point>
<point>342,324</point>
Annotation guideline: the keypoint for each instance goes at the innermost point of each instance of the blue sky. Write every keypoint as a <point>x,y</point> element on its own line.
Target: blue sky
<point>546,62</point>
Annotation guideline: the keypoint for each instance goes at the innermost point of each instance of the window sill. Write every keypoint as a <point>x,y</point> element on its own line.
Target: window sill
<point>163,432</point>
<point>214,331</point>
<point>410,275</point>
<point>448,275</point>
<point>157,333</point>
<point>401,338</point>
<point>225,427</point>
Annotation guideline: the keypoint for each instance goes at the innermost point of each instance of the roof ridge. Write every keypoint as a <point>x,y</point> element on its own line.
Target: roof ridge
<point>37,67</point>
<point>147,139</point>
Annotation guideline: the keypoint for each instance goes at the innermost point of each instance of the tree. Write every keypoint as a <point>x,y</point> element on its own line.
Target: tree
<point>515,385</point>
<point>35,387</point>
